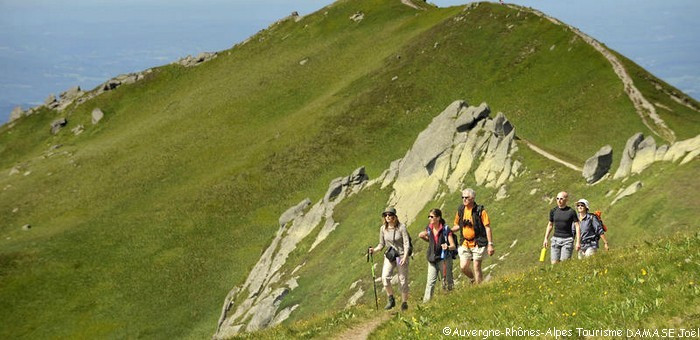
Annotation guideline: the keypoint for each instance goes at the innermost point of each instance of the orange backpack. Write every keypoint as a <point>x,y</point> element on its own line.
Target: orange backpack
<point>598,213</point>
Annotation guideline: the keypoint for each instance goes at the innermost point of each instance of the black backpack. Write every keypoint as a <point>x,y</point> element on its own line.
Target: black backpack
<point>460,213</point>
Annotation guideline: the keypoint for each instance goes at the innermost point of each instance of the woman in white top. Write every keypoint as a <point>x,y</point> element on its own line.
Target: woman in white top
<point>394,235</point>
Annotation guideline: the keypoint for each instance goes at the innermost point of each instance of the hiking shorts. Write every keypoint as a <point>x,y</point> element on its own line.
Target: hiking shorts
<point>562,248</point>
<point>468,254</point>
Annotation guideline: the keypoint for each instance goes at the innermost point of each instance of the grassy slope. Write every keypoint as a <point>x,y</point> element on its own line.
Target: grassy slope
<point>652,285</point>
<point>145,223</point>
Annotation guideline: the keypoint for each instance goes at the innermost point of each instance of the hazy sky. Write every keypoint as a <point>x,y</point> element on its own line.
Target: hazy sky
<point>49,46</point>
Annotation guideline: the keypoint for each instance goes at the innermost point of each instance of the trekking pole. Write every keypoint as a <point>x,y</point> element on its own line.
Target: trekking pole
<point>374,283</point>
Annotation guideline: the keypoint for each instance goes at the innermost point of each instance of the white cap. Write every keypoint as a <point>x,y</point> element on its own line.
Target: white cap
<point>584,201</point>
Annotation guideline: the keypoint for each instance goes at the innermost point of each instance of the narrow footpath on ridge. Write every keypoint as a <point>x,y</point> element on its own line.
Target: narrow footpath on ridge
<point>363,330</point>
<point>550,156</point>
<point>643,107</point>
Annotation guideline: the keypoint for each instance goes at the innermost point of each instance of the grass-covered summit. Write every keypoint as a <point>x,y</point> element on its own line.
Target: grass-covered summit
<point>142,224</point>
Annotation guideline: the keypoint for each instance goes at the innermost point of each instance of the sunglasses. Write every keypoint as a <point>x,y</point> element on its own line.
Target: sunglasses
<point>561,198</point>
<point>429,216</point>
<point>388,215</point>
<point>465,197</point>
<point>580,205</point>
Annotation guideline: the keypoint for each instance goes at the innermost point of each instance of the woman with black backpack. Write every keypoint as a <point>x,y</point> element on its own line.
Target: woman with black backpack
<point>441,244</point>
<point>394,234</point>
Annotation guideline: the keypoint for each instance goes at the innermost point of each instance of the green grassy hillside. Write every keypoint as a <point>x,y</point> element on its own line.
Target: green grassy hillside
<point>652,286</point>
<point>143,223</point>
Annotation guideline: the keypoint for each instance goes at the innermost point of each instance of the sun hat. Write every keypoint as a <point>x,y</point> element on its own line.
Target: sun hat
<point>389,210</point>
<point>584,201</point>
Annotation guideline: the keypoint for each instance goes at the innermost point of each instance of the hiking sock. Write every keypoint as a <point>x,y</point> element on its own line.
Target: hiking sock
<point>404,305</point>
<point>391,303</point>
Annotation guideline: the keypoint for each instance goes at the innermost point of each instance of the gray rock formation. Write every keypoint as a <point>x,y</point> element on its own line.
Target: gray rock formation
<point>263,290</point>
<point>202,57</point>
<point>294,212</point>
<point>679,149</point>
<point>97,115</point>
<point>357,17</point>
<point>78,129</point>
<point>442,154</point>
<point>645,155</point>
<point>16,113</point>
<point>597,166</point>
<point>630,190</point>
<point>660,153</point>
<point>57,124</point>
<point>628,155</point>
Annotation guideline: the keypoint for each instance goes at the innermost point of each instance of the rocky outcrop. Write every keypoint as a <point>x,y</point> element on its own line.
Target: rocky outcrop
<point>264,290</point>
<point>357,17</point>
<point>16,113</point>
<point>641,152</point>
<point>628,155</point>
<point>630,190</point>
<point>597,166</point>
<point>57,124</point>
<point>438,162</point>
<point>679,149</point>
<point>645,155</point>
<point>190,61</point>
<point>444,153</point>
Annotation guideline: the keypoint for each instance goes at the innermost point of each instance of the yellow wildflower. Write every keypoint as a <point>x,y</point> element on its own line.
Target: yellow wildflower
<point>644,271</point>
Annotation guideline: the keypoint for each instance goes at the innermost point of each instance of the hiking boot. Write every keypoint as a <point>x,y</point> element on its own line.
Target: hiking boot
<point>391,303</point>
<point>404,305</point>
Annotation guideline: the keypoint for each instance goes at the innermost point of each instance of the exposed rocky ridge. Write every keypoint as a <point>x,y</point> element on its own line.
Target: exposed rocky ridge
<point>441,157</point>
<point>263,290</point>
<point>640,153</point>
<point>190,61</point>
<point>446,151</point>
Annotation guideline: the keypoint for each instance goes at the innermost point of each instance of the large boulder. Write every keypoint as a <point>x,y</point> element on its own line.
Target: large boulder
<point>97,115</point>
<point>628,156</point>
<point>630,190</point>
<point>645,155</point>
<point>57,124</point>
<point>597,166</point>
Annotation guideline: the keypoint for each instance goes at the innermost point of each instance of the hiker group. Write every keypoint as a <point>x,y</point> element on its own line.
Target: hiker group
<point>470,239</point>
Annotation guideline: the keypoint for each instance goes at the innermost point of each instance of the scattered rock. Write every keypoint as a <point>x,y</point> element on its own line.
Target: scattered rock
<point>15,210</point>
<point>50,101</point>
<point>190,61</point>
<point>304,61</point>
<point>26,227</point>
<point>14,171</point>
<point>501,193</point>
<point>598,165</point>
<point>78,129</point>
<point>97,115</point>
<point>57,124</point>
<point>357,17</point>
<point>533,191</point>
<point>16,113</point>
<point>630,190</point>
